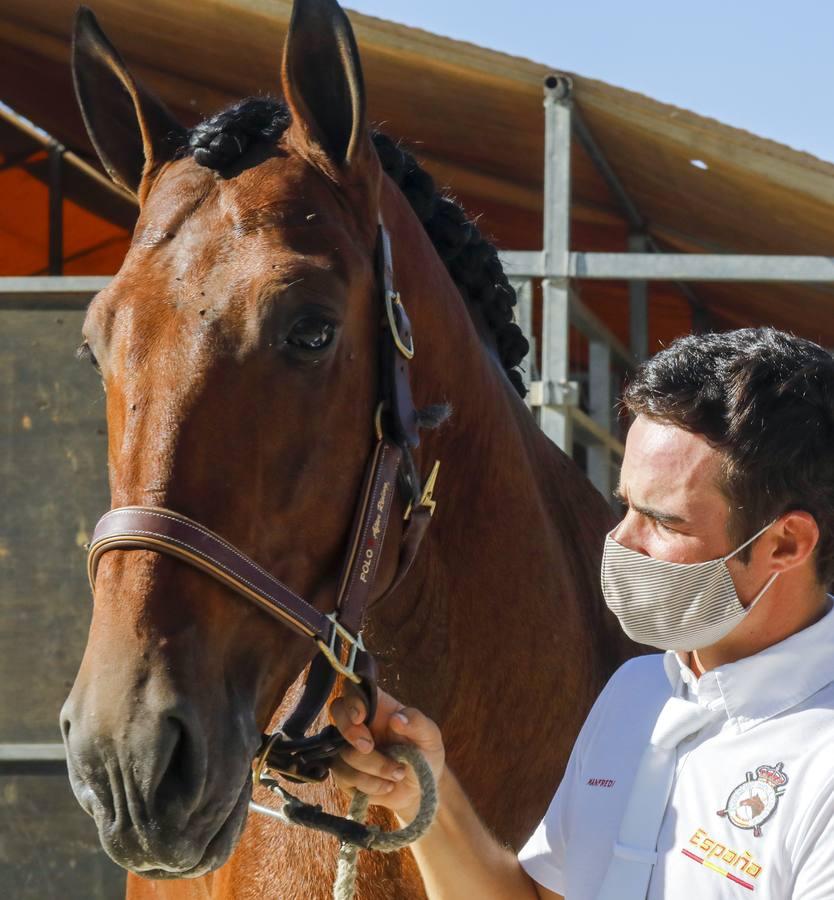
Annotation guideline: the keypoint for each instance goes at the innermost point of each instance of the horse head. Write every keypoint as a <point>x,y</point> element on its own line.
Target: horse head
<point>237,346</point>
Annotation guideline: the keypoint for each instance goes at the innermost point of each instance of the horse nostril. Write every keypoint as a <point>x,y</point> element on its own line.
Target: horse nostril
<point>178,762</point>
<point>65,722</point>
<point>180,766</point>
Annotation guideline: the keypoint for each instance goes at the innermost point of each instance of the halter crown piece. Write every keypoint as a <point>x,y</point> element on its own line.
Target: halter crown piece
<point>338,635</point>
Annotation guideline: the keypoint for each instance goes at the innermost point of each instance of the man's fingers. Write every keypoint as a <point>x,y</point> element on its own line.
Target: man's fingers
<point>343,711</point>
<point>354,705</point>
<point>378,764</point>
<point>347,777</point>
<point>393,722</point>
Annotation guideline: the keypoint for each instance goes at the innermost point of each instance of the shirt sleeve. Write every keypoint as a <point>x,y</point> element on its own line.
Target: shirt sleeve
<point>543,856</point>
<point>814,859</point>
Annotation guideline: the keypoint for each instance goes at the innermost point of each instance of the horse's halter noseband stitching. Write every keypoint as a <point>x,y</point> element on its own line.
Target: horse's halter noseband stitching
<point>338,635</point>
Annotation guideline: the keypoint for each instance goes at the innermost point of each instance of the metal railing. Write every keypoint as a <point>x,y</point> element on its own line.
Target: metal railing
<point>555,390</point>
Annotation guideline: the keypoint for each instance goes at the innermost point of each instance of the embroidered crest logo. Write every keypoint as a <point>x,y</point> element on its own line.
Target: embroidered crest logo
<point>754,801</point>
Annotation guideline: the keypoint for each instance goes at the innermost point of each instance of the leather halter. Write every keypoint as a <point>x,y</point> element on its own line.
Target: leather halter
<point>338,635</point>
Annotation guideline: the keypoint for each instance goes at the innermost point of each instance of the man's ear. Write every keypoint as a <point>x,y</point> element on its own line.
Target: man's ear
<point>323,85</point>
<point>797,538</point>
<point>130,128</point>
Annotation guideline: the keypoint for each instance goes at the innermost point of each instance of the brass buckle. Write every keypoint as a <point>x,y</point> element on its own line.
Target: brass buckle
<point>261,767</point>
<point>378,422</point>
<point>392,297</point>
<point>259,764</point>
<point>329,650</point>
<point>427,498</point>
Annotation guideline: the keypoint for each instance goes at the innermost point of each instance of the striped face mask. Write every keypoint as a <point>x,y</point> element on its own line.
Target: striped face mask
<point>673,606</point>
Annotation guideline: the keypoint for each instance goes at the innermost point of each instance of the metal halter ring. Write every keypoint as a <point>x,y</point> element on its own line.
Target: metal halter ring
<point>354,642</point>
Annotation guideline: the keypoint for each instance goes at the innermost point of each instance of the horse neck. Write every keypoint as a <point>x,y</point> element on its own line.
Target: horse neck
<point>500,614</point>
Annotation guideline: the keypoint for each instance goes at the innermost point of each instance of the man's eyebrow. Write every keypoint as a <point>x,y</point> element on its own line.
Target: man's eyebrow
<point>647,511</point>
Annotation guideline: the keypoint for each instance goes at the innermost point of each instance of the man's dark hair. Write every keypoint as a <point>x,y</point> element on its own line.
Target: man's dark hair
<point>765,399</point>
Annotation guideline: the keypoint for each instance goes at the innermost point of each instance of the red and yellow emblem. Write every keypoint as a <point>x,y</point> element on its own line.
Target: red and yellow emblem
<point>754,801</point>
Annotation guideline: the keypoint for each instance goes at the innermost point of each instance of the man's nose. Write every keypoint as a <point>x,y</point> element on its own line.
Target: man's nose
<point>630,532</point>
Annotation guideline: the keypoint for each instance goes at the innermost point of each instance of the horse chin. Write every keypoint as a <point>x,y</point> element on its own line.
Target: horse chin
<point>216,852</point>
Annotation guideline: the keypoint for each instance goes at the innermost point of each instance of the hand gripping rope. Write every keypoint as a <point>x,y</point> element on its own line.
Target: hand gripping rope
<point>351,831</point>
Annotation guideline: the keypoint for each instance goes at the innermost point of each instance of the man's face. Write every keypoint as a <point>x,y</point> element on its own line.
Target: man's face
<point>676,510</point>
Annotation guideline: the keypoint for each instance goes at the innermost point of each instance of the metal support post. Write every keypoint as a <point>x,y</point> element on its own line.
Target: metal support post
<point>559,393</point>
<point>638,305</point>
<point>601,402</point>
<point>524,320</point>
<point>56,208</point>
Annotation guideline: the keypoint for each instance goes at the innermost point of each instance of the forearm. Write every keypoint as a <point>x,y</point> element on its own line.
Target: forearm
<point>458,857</point>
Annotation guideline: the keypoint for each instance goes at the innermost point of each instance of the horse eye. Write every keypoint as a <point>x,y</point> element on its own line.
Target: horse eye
<point>85,351</point>
<point>311,333</point>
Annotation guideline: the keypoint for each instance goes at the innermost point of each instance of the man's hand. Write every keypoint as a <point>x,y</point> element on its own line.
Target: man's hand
<point>457,857</point>
<point>361,765</point>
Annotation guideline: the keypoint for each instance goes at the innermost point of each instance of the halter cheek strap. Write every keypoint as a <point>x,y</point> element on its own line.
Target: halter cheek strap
<point>337,635</point>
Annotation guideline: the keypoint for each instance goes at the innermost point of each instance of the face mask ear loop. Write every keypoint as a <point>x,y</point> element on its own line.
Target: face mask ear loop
<point>748,541</point>
<point>761,593</point>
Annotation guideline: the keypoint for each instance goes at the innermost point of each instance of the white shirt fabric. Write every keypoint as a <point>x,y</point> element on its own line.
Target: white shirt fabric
<point>750,812</point>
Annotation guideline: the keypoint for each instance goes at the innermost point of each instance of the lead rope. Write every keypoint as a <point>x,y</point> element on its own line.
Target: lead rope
<point>352,831</point>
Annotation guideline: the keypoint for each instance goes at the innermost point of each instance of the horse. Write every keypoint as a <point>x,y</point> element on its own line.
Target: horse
<point>238,350</point>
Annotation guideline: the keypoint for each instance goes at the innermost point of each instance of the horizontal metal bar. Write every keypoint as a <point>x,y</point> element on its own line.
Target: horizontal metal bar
<point>50,292</point>
<point>30,753</point>
<point>523,263</point>
<point>701,267</point>
<point>554,394</point>
<point>675,267</point>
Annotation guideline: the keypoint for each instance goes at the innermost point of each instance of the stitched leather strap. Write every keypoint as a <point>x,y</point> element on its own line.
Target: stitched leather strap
<point>395,355</point>
<point>359,573</point>
<point>418,523</point>
<point>169,532</point>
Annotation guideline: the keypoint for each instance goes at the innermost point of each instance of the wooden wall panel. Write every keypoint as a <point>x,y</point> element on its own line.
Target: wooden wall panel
<point>52,472</point>
<point>52,489</point>
<point>48,846</point>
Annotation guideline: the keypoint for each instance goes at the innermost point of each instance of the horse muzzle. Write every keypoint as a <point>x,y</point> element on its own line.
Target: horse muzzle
<point>162,806</point>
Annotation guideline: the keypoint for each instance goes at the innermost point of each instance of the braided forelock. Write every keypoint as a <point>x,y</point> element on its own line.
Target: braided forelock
<point>472,261</point>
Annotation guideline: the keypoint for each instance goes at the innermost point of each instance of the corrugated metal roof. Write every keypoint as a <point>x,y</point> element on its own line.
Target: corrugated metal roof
<point>475,118</point>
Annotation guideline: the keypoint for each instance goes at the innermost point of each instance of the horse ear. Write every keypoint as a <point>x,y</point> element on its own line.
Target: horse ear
<point>131,130</point>
<point>322,82</point>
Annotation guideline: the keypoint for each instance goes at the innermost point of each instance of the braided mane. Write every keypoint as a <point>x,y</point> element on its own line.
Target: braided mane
<point>472,261</point>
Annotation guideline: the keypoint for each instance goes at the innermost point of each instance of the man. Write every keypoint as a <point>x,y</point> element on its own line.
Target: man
<point>707,771</point>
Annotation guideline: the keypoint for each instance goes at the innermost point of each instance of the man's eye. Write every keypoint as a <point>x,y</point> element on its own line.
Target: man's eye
<point>311,333</point>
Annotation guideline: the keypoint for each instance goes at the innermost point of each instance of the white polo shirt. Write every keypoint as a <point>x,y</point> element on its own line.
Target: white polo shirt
<point>751,808</point>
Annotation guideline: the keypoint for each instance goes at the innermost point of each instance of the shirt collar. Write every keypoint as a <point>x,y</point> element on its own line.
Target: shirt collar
<point>766,684</point>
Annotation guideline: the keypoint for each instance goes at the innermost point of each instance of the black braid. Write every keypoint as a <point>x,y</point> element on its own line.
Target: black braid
<point>472,261</point>
<point>219,141</point>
